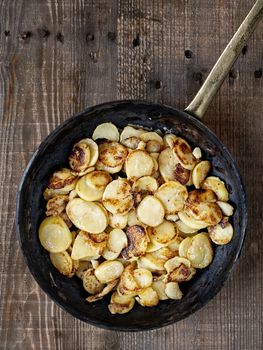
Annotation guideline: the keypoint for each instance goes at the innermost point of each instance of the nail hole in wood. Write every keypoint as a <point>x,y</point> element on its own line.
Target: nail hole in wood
<point>244,50</point>
<point>258,73</point>
<point>25,35</point>
<point>158,84</point>
<point>136,41</point>
<point>112,36</point>
<point>188,54</point>
<point>93,56</point>
<point>60,37</point>
<point>90,37</point>
<point>43,32</point>
<point>7,32</point>
<point>232,75</point>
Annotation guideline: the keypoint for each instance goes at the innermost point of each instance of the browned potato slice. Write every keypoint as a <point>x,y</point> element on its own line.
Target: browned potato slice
<point>171,169</point>
<point>172,194</point>
<point>139,163</point>
<point>146,185</point>
<point>137,242</point>
<point>151,263</point>
<point>179,270</point>
<point>118,220</point>
<point>83,266</point>
<point>120,304</point>
<point>90,283</point>
<point>112,154</point>
<point>87,246</point>
<point>54,234</point>
<point>86,192</point>
<point>184,153</point>
<point>62,262</point>
<point>62,181</point>
<point>150,211</point>
<point>200,252</point>
<point>106,131</point>
<point>226,208</point>
<point>56,205</point>
<point>222,233</point>
<point>129,132</point>
<point>117,197</point>
<point>109,271</point>
<point>163,253</point>
<point>147,297</point>
<point>143,277</point>
<point>131,142</point>
<point>163,233</point>
<point>183,228</point>
<point>87,216</point>
<point>111,170</point>
<point>173,291</point>
<point>98,180</point>
<point>191,222</point>
<point>79,158</point>
<point>200,172</point>
<point>127,285</point>
<point>106,290</point>
<point>216,185</point>
<point>153,246</point>
<point>169,140</point>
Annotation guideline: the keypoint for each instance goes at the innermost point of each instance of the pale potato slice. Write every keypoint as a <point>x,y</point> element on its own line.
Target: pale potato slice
<point>98,180</point>
<point>155,166</point>
<point>84,172</point>
<point>112,153</point>
<point>173,291</point>
<point>141,146</point>
<point>200,252</point>
<point>133,219</point>
<point>111,170</point>
<point>72,194</point>
<point>109,271</point>
<point>139,163</point>
<point>106,290</point>
<point>117,240</point>
<point>197,153</point>
<point>143,277</point>
<point>79,157</point>
<point>183,228</point>
<point>163,253</point>
<point>109,255</point>
<point>172,217</point>
<point>175,243</point>
<point>169,140</point>
<point>184,246</point>
<point>83,266</point>
<point>62,262</point>
<point>120,304</point>
<point>155,155</point>
<point>94,151</point>
<point>172,195</point>
<point>117,197</point>
<point>106,131</point>
<point>118,220</point>
<point>183,151</point>
<point>191,222</point>
<point>129,131</point>
<point>159,287</point>
<point>200,172</point>
<point>218,186</point>
<point>150,211</point>
<point>147,297</point>
<point>54,234</point>
<point>176,262</point>
<point>86,247</point>
<point>94,263</point>
<point>145,184</point>
<point>86,192</point>
<point>163,233</point>
<point>137,242</point>
<point>131,142</point>
<point>151,263</point>
<point>90,283</point>
<point>222,233</point>
<point>153,146</point>
<point>226,208</point>
<point>151,136</point>
<point>153,246</point>
<point>87,216</point>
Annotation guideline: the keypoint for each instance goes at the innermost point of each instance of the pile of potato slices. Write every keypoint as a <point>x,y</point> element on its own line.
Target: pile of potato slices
<point>135,215</point>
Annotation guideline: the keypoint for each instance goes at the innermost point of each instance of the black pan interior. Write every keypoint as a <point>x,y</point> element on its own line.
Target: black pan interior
<point>53,152</point>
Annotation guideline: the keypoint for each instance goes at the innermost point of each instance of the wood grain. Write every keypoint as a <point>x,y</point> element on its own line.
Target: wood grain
<point>58,57</point>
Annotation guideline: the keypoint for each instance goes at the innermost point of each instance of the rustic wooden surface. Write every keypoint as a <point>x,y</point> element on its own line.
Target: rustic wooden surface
<point>58,57</point>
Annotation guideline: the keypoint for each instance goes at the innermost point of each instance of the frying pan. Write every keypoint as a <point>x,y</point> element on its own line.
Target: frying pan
<point>53,152</point>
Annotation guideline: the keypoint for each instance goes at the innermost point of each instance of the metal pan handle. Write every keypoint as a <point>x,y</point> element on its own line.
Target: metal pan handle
<point>223,65</point>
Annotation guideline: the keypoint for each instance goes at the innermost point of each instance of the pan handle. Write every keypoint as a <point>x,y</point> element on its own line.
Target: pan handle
<point>223,65</point>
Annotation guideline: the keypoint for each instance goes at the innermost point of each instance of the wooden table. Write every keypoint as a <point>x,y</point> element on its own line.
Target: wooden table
<point>58,57</point>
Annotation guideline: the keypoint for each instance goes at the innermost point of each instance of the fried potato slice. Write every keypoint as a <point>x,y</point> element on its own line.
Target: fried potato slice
<point>117,240</point>
<point>86,246</point>
<point>86,192</point>
<point>106,131</point>
<point>120,304</point>
<point>147,297</point>
<point>56,205</point>
<point>98,180</point>
<point>83,266</point>
<point>112,154</point>
<point>90,283</point>
<point>109,271</point>
<point>62,262</point>
<point>129,132</point>
<point>169,140</point>
<point>143,277</point>
<point>79,157</point>
<point>145,185</point>
<point>139,163</point>
<point>133,219</point>
<point>218,186</point>
<point>173,291</point>
<point>178,270</point>
<point>117,197</point>
<point>163,233</point>
<point>200,252</point>
<point>150,211</point>
<point>159,287</point>
<point>172,217</point>
<point>191,222</point>
<point>112,170</point>
<point>62,181</point>
<point>153,246</point>
<point>109,255</point>
<point>163,253</point>
<point>174,244</point>
<point>153,146</point>
<point>151,136</point>
<point>87,216</point>
<point>222,233</point>
<point>151,263</point>
<point>54,234</point>
<point>184,246</point>
<point>137,242</point>
<point>131,142</point>
<point>226,208</point>
<point>200,172</point>
<point>183,151</point>
<point>106,290</point>
<point>118,220</point>
<point>172,195</point>
<point>184,229</point>
<point>128,285</point>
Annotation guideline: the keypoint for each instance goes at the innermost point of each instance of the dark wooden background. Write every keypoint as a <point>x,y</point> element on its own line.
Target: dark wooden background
<point>58,57</point>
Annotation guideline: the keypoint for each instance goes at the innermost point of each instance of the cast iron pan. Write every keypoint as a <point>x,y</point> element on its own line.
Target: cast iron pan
<point>53,152</point>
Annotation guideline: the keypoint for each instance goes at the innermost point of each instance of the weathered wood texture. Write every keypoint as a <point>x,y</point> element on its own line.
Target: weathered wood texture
<point>58,57</point>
